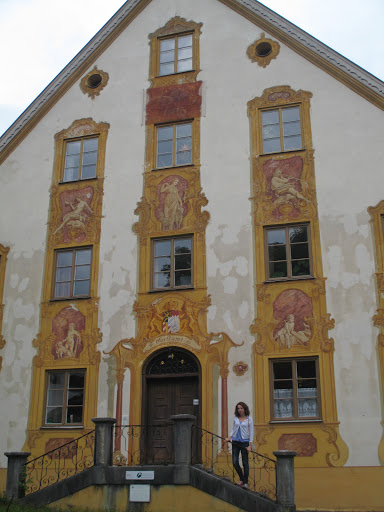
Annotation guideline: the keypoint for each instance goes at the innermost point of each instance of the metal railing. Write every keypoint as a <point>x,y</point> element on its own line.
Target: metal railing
<point>143,444</point>
<point>217,459</point>
<point>58,464</point>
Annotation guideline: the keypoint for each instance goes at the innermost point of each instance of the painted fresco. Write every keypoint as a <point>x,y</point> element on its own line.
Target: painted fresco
<point>173,103</point>
<point>172,209</point>
<point>67,327</point>
<point>291,308</point>
<point>76,210</point>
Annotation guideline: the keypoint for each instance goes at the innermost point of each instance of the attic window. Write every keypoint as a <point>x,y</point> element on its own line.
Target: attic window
<point>263,49</point>
<point>94,82</point>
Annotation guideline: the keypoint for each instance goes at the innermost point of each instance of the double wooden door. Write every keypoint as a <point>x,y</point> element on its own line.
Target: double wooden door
<point>166,396</point>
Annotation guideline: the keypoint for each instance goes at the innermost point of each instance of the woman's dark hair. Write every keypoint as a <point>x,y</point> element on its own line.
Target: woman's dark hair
<point>244,406</point>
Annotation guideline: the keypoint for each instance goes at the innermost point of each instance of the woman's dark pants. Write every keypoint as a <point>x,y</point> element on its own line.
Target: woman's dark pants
<point>236,449</point>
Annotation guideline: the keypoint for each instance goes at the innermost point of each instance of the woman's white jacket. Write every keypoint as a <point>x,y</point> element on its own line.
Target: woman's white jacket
<point>246,428</point>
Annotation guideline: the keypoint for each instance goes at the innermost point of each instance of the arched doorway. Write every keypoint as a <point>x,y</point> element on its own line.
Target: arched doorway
<point>171,385</point>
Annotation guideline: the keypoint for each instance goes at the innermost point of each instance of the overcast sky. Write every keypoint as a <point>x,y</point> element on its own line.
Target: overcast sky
<point>39,37</point>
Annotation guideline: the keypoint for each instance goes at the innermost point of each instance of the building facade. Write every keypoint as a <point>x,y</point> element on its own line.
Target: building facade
<point>192,216</point>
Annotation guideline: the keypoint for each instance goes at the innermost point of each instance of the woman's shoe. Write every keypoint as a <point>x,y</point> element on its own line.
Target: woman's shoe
<point>245,486</point>
<point>241,483</point>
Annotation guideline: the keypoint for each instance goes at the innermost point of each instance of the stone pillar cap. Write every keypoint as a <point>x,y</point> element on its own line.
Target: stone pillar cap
<point>285,453</point>
<point>17,454</point>
<point>183,417</point>
<point>104,420</point>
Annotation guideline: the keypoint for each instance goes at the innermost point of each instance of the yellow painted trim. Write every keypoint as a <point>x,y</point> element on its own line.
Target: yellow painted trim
<point>377,215</point>
<point>288,209</point>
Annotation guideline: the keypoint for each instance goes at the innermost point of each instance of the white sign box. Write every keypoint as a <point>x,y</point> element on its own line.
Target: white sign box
<point>140,493</point>
<point>139,475</point>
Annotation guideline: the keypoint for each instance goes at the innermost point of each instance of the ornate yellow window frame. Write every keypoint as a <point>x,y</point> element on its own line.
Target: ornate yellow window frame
<point>284,194</point>
<point>377,220</point>
<point>3,263</point>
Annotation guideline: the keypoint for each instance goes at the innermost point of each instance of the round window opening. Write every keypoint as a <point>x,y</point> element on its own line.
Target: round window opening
<point>94,81</point>
<point>263,49</point>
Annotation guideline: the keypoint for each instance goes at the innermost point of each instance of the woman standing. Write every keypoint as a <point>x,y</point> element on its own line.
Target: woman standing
<point>241,437</point>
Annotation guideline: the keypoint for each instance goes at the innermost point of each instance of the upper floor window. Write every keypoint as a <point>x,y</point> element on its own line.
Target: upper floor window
<point>174,145</point>
<point>80,159</point>
<point>72,273</point>
<point>65,397</point>
<point>176,54</point>
<point>288,254</point>
<point>295,389</point>
<point>172,263</point>
<point>281,129</point>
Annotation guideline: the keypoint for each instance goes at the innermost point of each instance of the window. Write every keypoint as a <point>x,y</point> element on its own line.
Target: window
<point>65,397</point>
<point>288,252</point>
<point>80,159</point>
<point>281,129</point>
<point>295,389</point>
<point>72,273</point>
<point>172,263</point>
<point>174,145</point>
<point>176,55</point>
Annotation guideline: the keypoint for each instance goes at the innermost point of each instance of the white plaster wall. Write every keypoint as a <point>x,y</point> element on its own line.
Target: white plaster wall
<point>348,140</point>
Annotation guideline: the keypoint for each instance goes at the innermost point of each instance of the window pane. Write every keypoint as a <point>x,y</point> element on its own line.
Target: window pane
<point>62,290</point>
<point>298,234</point>
<point>54,415</point>
<point>184,130</point>
<point>184,158</point>
<point>306,369</point>
<point>83,272</point>
<point>270,117</point>
<point>299,251</point>
<point>183,245</point>
<point>167,69</point>
<point>183,261</point>
<point>55,397</point>
<point>75,397</point>
<point>283,389</point>
<point>81,288</point>
<point>271,131</point>
<point>167,44</point>
<point>73,147</point>
<point>184,41</point>
<point>290,114</point>
<point>276,236</point>
<point>162,280</point>
<point>76,380</point>
<point>63,274</point>
<point>162,264</point>
<point>164,147</point>
<point>83,256</point>
<point>64,259</point>
<point>307,408</point>
<point>89,158</point>
<point>164,161</point>
<point>162,248</point>
<point>184,144</point>
<point>277,253</point>
<point>301,268</point>
<point>56,380</point>
<point>291,128</point>
<point>271,146</point>
<point>166,57</point>
<point>90,144</point>
<point>184,53</point>
<point>71,174</point>
<point>165,133</point>
<point>75,415</point>
<point>282,370</point>
<point>278,270</point>
<point>307,388</point>
<point>283,408</point>
<point>183,278</point>
<point>184,65</point>
<point>292,142</point>
<point>72,161</point>
<point>88,171</point>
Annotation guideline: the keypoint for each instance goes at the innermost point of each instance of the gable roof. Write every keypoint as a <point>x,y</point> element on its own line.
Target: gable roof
<point>350,74</point>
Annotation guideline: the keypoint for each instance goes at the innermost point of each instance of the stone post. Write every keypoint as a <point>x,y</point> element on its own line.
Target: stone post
<point>182,445</point>
<point>103,441</point>
<point>15,474</point>
<point>285,480</point>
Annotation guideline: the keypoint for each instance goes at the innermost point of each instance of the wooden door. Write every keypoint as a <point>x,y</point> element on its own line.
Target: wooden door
<point>167,396</point>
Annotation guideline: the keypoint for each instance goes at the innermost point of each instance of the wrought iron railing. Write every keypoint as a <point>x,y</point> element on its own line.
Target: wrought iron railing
<point>58,464</point>
<point>217,459</point>
<point>143,444</point>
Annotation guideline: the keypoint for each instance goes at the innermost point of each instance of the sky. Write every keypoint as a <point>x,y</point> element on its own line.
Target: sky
<point>39,37</point>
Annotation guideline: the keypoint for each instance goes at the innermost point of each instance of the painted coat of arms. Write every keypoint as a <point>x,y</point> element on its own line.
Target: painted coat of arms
<point>171,321</point>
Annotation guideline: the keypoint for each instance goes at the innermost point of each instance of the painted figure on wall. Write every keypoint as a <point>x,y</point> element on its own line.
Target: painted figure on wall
<point>284,187</point>
<point>172,209</point>
<point>76,210</point>
<point>67,326</point>
<point>291,308</point>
